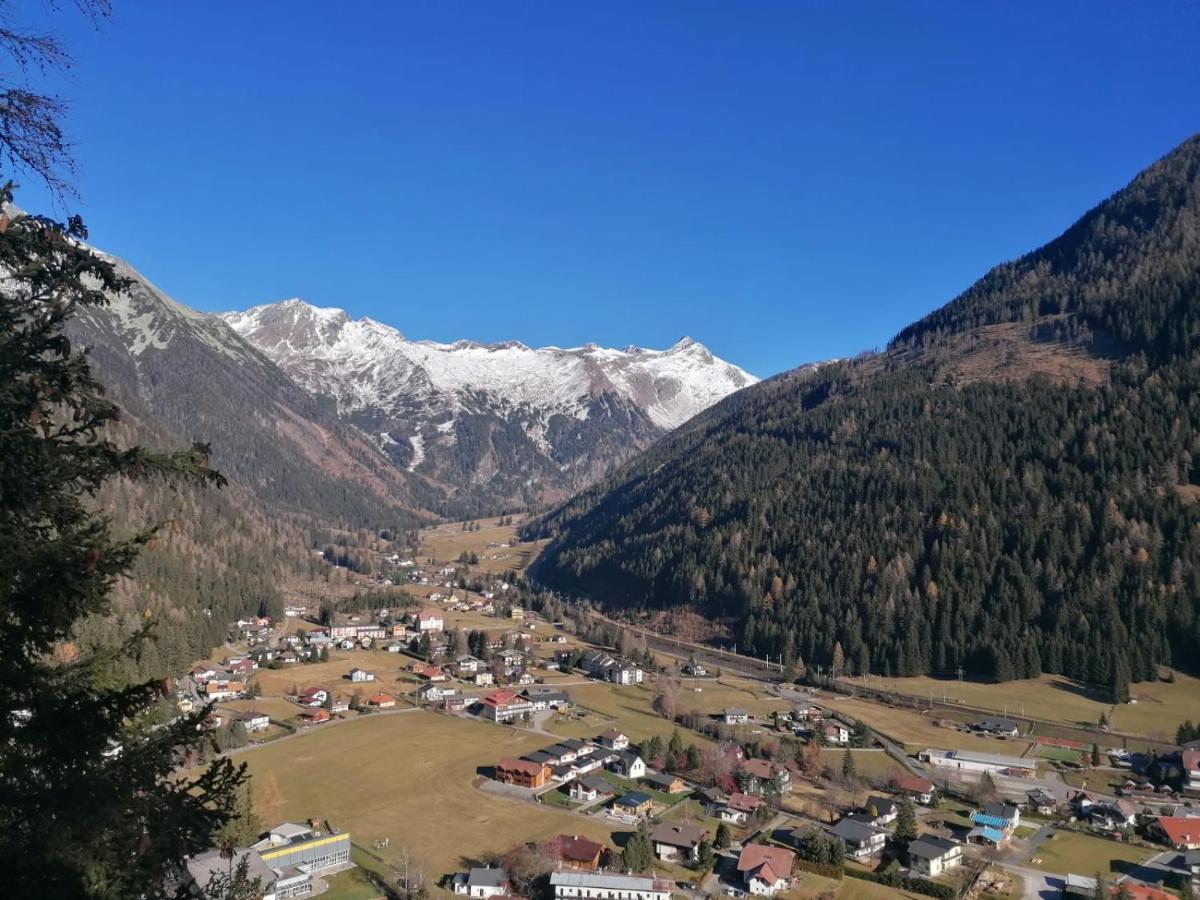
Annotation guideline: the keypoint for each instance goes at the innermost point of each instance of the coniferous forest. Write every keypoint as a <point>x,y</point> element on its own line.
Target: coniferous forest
<point>1011,487</point>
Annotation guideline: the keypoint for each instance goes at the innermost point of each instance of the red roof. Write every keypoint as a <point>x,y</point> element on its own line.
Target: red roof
<point>1142,892</point>
<point>755,855</point>
<point>1191,760</point>
<point>380,699</point>
<point>1180,829</point>
<point>743,803</point>
<point>524,766</point>
<point>914,784</point>
<point>499,698</point>
<point>574,848</point>
<point>759,768</point>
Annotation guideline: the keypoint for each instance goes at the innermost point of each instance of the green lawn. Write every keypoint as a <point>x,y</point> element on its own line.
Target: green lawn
<point>1072,852</point>
<point>625,785</point>
<point>1060,754</point>
<point>558,797</point>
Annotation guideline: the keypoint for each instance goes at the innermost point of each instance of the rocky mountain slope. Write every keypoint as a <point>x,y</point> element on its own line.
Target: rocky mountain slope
<point>508,423</point>
<point>1011,487</point>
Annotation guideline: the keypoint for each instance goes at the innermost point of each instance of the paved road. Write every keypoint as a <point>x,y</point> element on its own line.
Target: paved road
<point>1038,885</point>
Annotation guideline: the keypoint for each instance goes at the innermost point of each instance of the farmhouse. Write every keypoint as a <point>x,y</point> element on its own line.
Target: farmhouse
<point>764,869</point>
<point>522,772</point>
<point>973,761</point>
<point>861,840</point>
<point>931,856</point>
<point>674,842</point>
<point>575,851</point>
<point>597,886</point>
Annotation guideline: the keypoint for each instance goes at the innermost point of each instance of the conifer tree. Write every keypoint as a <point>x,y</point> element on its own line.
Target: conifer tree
<point>89,806</point>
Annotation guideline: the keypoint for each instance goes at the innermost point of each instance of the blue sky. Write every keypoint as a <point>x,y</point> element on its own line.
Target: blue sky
<point>783,181</point>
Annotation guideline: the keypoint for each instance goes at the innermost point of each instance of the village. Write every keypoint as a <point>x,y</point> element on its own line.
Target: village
<point>460,740</point>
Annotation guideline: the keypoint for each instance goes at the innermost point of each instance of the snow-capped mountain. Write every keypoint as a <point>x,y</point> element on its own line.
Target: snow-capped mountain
<point>506,420</point>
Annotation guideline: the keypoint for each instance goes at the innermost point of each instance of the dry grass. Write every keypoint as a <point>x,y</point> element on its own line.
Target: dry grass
<point>713,696</point>
<point>1069,851</point>
<point>330,675</point>
<point>409,778</point>
<point>872,764</point>
<point>276,707</point>
<point>1159,709</point>
<point>626,708</point>
<point>446,542</point>
<point>917,731</point>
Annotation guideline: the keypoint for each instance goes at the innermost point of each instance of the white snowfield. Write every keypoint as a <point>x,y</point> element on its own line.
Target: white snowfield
<point>365,364</point>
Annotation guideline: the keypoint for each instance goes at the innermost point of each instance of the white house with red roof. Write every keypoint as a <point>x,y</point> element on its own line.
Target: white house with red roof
<point>765,870</point>
<point>505,706</point>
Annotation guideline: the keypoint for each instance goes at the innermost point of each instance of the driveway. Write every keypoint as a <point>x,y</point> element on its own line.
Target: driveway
<point>1038,885</point>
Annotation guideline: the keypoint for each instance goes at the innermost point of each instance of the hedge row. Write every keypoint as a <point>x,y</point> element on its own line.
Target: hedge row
<point>907,883</point>
<point>829,870</point>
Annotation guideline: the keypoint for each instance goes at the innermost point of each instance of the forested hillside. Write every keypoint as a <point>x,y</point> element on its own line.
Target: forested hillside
<point>1011,487</point>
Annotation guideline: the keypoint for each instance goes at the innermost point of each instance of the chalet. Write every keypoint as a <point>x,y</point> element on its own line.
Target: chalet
<point>505,706</point>
<point>314,716</point>
<point>735,716</point>
<point>836,733</point>
<point>765,870</point>
<point>483,679</point>
<point>243,667</point>
<point>589,789</point>
<point>468,665</point>
<point>807,713</point>
<point>739,808</point>
<point>457,703</point>
<point>522,773</point>
<point>381,701</point>
<point>862,840</point>
<point>1182,833</point>
<point>603,886</point>
<point>224,690</point>
<point>1041,801</point>
<point>629,765</point>
<point>428,620</point>
<point>339,704</point>
<point>1113,815</point>
<point>482,883</point>
<point>635,804</point>
<point>613,740</point>
<point>428,671</point>
<point>881,810</point>
<point>677,842</point>
<point>575,852</point>
<point>358,675</point>
<point>430,693</point>
<point>931,856</point>
<point>665,782</point>
<point>921,790</point>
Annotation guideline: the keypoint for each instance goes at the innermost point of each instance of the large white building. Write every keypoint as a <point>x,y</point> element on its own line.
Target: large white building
<point>601,886</point>
<point>972,761</point>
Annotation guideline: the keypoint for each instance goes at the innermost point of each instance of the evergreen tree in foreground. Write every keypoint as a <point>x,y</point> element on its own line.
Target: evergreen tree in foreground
<point>89,804</point>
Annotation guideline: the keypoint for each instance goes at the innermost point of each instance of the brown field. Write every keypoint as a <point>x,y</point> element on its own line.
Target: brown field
<point>712,696</point>
<point>917,731</point>
<point>445,542</point>
<point>625,708</point>
<point>409,778</point>
<point>873,764</point>
<point>1159,709</point>
<point>276,707</point>
<point>386,666</point>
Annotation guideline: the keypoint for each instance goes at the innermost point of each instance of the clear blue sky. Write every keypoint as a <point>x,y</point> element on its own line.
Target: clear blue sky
<point>784,181</point>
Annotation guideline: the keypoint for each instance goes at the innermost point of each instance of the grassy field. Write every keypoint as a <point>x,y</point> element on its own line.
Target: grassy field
<point>276,707</point>
<point>625,708</point>
<point>1069,851</point>
<point>712,696</point>
<point>917,731</point>
<point>874,764</point>
<point>330,675</point>
<point>1160,706</point>
<point>409,778</point>
<point>446,542</point>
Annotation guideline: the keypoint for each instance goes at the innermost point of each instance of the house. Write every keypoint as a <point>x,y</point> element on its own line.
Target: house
<point>603,886</point>
<point>314,716</point>
<point>358,675</point>
<point>1113,815</point>
<point>505,706</point>
<point>468,665</point>
<point>1079,886</point>
<point>677,842</point>
<point>313,696</point>
<point>635,804</point>
<point>738,809</point>
<point>1191,770</point>
<point>667,783</point>
<point>428,620</point>
<point>629,765</point>
<point>613,740</point>
<point>765,870</point>
<point>735,716</point>
<point>1041,802</point>
<point>589,789</point>
<point>881,810</point>
<point>921,790</point>
<point>457,703</point>
<point>224,690</point>
<point>574,851</point>
<point>347,644</point>
<point>522,772</point>
<point>836,733</point>
<point>381,701</point>
<point>483,679</point>
<point>547,698</point>
<point>931,856</point>
<point>997,726</point>
<point>1182,833</point>
<point>625,672</point>
<point>761,776</point>
<point>807,712</point>
<point>986,835</point>
<point>695,670</point>
<point>430,693</point>
<point>255,721</point>
<point>861,840</point>
<point>339,704</point>
<point>1002,816</point>
<point>482,883</point>
<point>428,671</point>
<point>1191,862</point>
